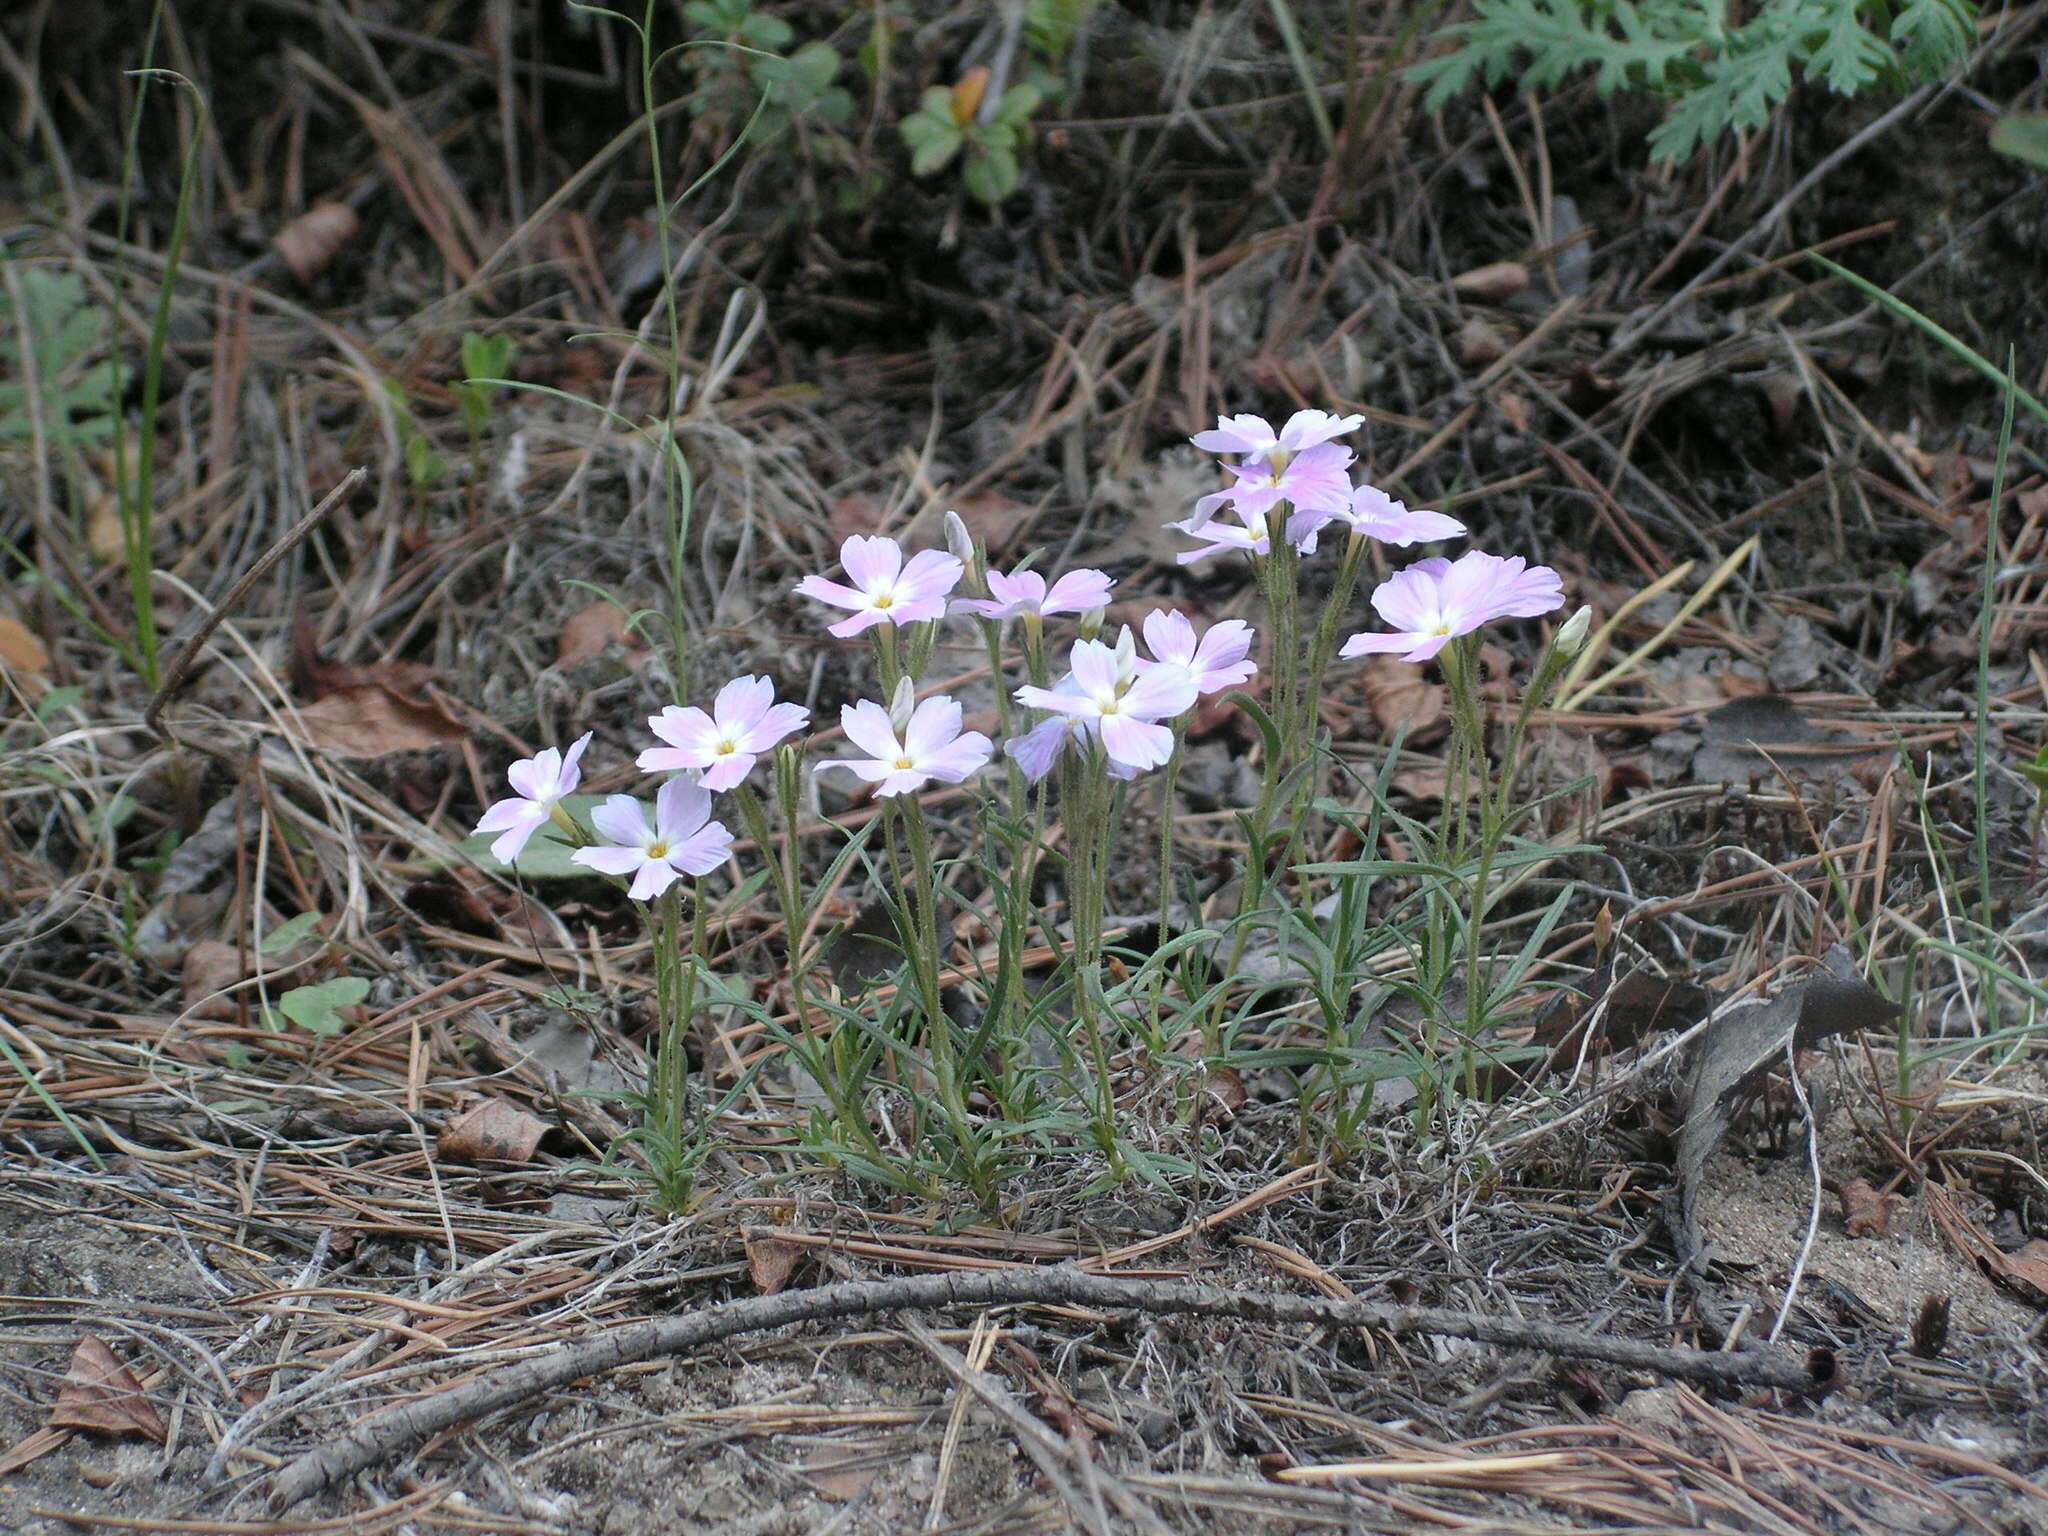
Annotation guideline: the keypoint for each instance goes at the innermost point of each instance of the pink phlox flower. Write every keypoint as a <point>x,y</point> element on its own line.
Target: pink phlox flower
<point>1120,706</point>
<point>722,746</point>
<point>1434,601</point>
<point>538,783</point>
<point>682,840</point>
<point>1040,748</point>
<point>929,745</point>
<point>1253,438</point>
<point>1376,515</point>
<point>1222,535</point>
<point>1026,595</point>
<point>1316,480</point>
<point>885,590</point>
<point>1218,660</point>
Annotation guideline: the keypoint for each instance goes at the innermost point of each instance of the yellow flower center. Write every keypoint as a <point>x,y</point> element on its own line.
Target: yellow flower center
<point>657,849</point>
<point>904,764</point>
<point>726,749</point>
<point>884,601</point>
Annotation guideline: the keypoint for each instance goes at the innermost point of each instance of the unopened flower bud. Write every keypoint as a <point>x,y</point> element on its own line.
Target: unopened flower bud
<point>901,706</point>
<point>959,542</point>
<point>1571,635</point>
<point>1092,621</point>
<point>1126,652</point>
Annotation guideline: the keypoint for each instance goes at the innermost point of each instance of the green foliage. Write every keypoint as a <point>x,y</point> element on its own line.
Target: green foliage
<point>485,361</point>
<point>1716,75</point>
<point>58,334</point>
<point>947,125</point>
<point>2023,136</point>
<point>424,466</point>
<point>753,66</point>
<point>318,1008</point>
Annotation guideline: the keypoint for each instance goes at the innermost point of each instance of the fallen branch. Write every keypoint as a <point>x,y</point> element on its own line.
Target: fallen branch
<point>410,1423</point>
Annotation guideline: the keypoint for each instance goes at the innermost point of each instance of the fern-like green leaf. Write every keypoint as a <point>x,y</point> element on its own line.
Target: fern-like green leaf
<point>1717,77</point>
<point>1934,35</point>
<point>1849,56</point>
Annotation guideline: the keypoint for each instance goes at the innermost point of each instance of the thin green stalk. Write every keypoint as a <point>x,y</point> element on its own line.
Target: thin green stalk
<point>886,664</point>
<point>1297,55</point>
<point>1087,816</point>
<point>1987,613</point>
<point>135,486</point>
<point>923,890</point>
<point>1169,784</point>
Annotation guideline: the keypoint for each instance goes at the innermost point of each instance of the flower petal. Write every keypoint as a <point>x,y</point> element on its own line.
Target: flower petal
<point>655,876</point>
<point>690,730</point>
<point>871,562</point>
<point>1078,591</point>
<point>680,809</point>
<point>1136,743</point>
<point>609,860</point>
<point>780,720</point>
<point>868,768</point>
<point>535,777</point>
<point>826,591</point>
<point>932,725</point>
<point>931,573</point>
<point>705,851</point>
<point>1170,636</point>
<point>1094,669</point>
<point>518,820</point>
<point>741,703</point>
<point>622,819</point>
<point>1039,748</point>
<point>959,758</point>
<point>867,726</point>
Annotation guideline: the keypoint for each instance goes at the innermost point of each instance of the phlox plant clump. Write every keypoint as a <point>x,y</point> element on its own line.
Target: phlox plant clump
<point>933,1081</point>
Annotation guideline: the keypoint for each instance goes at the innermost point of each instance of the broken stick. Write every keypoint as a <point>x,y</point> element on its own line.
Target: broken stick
<point>1064,1285</point>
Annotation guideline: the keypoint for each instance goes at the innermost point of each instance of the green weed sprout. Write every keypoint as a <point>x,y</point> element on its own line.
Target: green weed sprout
<point>950,125</point>
<point>1717,74</point>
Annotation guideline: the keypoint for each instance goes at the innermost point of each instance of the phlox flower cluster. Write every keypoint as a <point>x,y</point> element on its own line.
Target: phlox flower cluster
<point>1429,604</point>
<point>1114,706</point>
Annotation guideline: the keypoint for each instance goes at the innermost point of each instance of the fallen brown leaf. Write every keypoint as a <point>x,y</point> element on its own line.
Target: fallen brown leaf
<point>1481,342</point>
<point>995,521</point>
<point>314,677</point>
<point>1402,698</point>
<point>770,1259</point>
<point>20,650</point>
<point>451,905</point>
<point>492,1131</point>
<point>99,1393</point>
<point>855,512</point>
<point>312,240</point>
<point>588,631</point>
<point>1494,283</point>
<point>1866,1211</point>
<point>375,722</point>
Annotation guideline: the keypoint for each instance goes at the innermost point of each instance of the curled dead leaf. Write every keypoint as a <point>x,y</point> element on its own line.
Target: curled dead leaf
<point>588,631</point>
<point>21,651</point>
<point>99,1393</point>
<point>995,521</point>
<point>1481,342</point>
<point>1866,1210</point>
<point>1401,696</point>
<point>492,1131</point>
<point>1494,283</point>
<point>375,722</point>
<point>312,240</point>
<point>314,676</point>
<point>771,1258</point>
